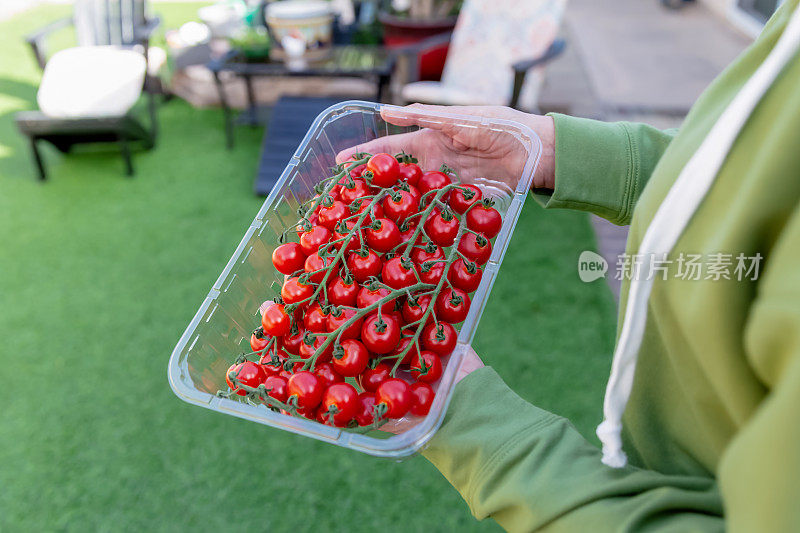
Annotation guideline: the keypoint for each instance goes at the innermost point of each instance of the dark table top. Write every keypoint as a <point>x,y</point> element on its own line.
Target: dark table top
<point>348,60</point>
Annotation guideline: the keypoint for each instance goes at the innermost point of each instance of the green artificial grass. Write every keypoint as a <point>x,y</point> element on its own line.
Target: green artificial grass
<point>99,276</point>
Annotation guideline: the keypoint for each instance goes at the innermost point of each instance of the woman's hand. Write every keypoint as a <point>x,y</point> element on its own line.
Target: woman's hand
<point>474,153</point>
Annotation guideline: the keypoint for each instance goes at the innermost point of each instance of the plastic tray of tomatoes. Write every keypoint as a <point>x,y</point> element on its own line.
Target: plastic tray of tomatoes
<point>345,311</point>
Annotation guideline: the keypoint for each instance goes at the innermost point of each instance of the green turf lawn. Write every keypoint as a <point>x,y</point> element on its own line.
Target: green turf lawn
<point>100,274</point>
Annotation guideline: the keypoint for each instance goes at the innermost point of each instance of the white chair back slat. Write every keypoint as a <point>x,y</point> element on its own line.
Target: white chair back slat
<point>108,22</point>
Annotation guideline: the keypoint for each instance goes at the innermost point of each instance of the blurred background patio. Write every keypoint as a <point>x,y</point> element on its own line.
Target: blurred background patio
<point>100,273</point>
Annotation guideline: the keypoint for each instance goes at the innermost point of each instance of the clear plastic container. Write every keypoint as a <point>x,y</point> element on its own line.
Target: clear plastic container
<point>222,326</point>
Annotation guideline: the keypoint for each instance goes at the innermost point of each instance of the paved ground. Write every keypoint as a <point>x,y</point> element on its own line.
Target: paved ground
<point>634,60</point>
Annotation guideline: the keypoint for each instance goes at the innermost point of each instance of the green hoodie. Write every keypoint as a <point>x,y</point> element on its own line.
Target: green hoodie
<point>712,429</point>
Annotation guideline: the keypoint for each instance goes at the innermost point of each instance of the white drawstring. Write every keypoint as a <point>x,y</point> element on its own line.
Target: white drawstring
<point>670,220</point>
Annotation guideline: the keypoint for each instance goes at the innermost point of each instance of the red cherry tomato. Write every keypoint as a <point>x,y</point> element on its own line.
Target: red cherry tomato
<point>340,292</point>
<point>414,308</point>
<point>315,319</point>
<point>359,190</point>
<point>288,258</point>
<point>354,359</point>
<point>440,339</point>
<point>308,350</point>
<point>343,230</point>
<point>266,361</point>
<point>367,297</point>
<point>330,215</point>
<point>442,228</point>
<point>484,219</point>
<point>396,395</point>
<point>475,248</point>
<point>399,205</point>
<point>399,273</point>
<point>371,378</point>
<point>385,170</point>
<point>408,233</point>
<point>410,172</point>
<point>337,321</point>
<point>462,278</point>
<point>433,180</point>
<point>380,336</point>
<point>366,409</point>
<point>258,341</point>
<point>327,374</point>
<point>307,388</point>
<point>427,252</point>
<point>276,388</point>
<point>383,236</point>
<point>458,197</point>
<point>426,366</point>
<point>291,342</point>
<point>341,399</point>
<point>315,263</point>
<point>423,396</point>
<point>294,291</point>
<point>364,265</point>
<point>401,346</point>
<point>248,373</point>
<point>311,240</point>
<point>433,273</point>
<point>452,305</point>
<point>275,321</point>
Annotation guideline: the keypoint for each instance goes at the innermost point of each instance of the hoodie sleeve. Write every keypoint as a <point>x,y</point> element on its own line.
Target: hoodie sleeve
<point>602,167</point>
<point>530,469</point>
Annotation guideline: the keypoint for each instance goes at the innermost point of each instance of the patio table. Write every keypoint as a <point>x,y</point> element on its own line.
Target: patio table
<point>373,63</point>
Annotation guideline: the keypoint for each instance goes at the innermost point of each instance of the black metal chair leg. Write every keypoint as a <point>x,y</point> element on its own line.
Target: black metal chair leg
<point>126,155</point>
<point>37,158</point>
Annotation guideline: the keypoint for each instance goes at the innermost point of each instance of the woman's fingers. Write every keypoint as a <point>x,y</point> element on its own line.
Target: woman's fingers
<point>391,144</point>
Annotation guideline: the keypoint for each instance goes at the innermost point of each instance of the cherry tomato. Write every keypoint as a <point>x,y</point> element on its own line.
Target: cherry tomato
<point>308,350</point>
<point>276,388</point>
<point>380,336</point>
<point>266,359</point>
<point>316,264</point>
<point>364,265</point>
<point>315,319</point>
<point>462,277</point>
<point>408,233</point>
<point>452,305</point>
<point>458,197</point>
<point>358,171</point>
<point>330,215</point>
<point>439,339</point>
<point>371,378</point>
<point>288,258</point>
<point>311,240</point>
<point>294,291</point>
<point>399,273</point>
<point>307,388</point>
<point>248,373</point>
<point>433,180</point>
<point>258,341</point>
<point>426,366</point>
<point>485,219</point>
<point>414,308</point>
<point>410,354</point>
<point>365,415</point>
<point>367,297</point>
<point>341,399</point>
<point>343,292</point>
<point>291,342</point>
<point>431,273</point>
<point>399,205</point>
<point>343,229</point>
<point>383,235</point>
<point>442,228</point>
<point>410,172</point>
<point>396,395</point>
<point>428,252</point>
<point>327,374</point>
<point>275,321</point>
<point>474,247</point>
<point>359,190</point>
<point>337,321</point>
<point>423,396</point>
<point>385,170</point>
<point>354,359</point>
